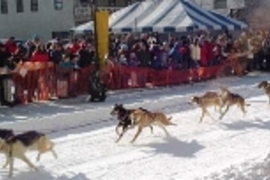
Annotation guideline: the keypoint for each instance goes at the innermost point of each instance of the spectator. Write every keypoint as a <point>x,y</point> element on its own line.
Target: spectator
<point>185,55</point>
<point>74,46</point>
<point>164,54</point>
<point>171,65</point>
<point>123,60</point>
<point>32,46</point>
<point>206,52</point>
<point>4,56</point>
<point>20,54</point>
<point>56,53</point>
<point>195,51</point>
<point>133,60</point>
<point>40,54</point>
<point>86,55</point>
<point>66,63</point>
<point>11,45</point>
<point>144,56</point>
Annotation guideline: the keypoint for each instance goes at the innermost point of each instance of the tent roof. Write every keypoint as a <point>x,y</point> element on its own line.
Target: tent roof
<point>165,16</point>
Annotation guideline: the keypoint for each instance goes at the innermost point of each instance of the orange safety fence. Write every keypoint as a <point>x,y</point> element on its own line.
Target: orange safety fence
<point>41,81</point>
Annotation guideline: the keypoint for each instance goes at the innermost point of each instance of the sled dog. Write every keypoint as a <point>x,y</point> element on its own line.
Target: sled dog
<point>143,119</point>
<point>207,100</point>
<point>229,99</point>
<point>266,87</point>
<point>17,145</point>
<point>123,116</point>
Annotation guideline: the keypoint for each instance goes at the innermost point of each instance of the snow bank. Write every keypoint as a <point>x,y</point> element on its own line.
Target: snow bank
<point>252,170</point>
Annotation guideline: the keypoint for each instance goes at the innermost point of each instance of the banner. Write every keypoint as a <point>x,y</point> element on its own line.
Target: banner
<point>102,30</point>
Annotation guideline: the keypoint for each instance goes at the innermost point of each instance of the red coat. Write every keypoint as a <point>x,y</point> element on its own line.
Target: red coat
<point>11,47</point>
<point>40,57</point>
<point>74,48</point>
<point>207,53</point>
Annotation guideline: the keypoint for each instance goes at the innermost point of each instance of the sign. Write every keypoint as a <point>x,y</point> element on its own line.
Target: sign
<point>109,9</point>
<point>82,13</point>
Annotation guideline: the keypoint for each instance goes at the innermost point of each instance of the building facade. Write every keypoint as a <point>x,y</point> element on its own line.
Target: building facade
<point>45,18</point>
<point>222,6</point>
<point>256,14</point>
<point>48,18</point>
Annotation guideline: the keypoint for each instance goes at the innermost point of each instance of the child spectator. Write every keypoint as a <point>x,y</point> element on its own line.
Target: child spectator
<point>133,60</point>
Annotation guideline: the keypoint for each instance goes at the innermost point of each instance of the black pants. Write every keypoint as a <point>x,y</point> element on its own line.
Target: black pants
<point>258,61</point>
<point>97,91</point>
<point>267,62</point>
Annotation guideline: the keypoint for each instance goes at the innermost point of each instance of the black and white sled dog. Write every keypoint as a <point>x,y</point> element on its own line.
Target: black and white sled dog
<point>124,120</point>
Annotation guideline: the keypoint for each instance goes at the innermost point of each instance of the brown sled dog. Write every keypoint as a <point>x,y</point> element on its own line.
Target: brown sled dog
<point>229,99</point>
<point>207,100</point>
<point>266,87</point>
<point>143,119</point>
<point>18,145</point>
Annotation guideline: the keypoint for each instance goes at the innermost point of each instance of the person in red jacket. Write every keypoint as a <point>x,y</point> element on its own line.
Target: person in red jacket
<point>11,45</point>
<point>40,54</point>
<point>74,46</point>
<point>207,53</point>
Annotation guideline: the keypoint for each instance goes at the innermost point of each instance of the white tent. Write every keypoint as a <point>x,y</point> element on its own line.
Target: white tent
<point>164,16</point>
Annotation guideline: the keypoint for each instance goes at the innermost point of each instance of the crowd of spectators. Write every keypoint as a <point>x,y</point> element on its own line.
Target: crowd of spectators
<point>148,50</point>
<point>73,54</point>
<point>185,52</point>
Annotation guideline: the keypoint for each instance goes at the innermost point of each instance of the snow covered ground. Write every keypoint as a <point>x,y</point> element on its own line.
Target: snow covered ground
<point>236,148</point>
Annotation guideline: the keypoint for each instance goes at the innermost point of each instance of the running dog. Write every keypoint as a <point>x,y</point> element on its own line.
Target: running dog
<point>207,100</point>
<point>266,87</point>
<point>123,115</point>
<point>144,119</point>
<point>17,145</point>
<point>229,99</point>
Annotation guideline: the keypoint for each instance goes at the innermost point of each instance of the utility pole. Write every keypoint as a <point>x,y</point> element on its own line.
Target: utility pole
<point>97,87</point>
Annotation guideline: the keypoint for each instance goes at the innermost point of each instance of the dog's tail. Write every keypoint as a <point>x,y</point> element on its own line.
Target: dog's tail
<point>45,143</point>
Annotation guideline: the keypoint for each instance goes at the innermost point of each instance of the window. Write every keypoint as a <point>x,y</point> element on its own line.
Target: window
<point>220,4</point>
<point>19,6</point>
<point>61,35</point>
<point>34,5</point>
<point>112,2</point>
<point>4,7</point>
<point>85,3</point>
<point>128,2</point>
<point>58,4</point>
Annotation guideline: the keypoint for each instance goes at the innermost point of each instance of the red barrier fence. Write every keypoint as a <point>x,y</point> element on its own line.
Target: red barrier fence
<point>38,81</point>
<point>128,77</point>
